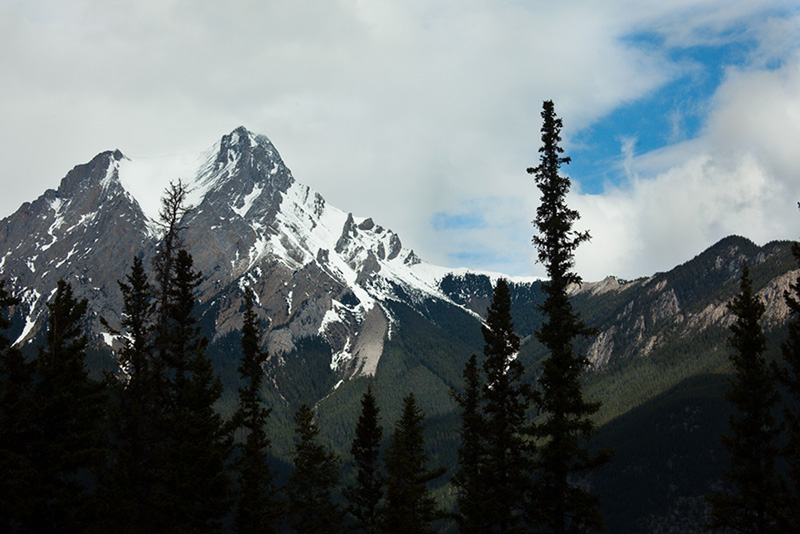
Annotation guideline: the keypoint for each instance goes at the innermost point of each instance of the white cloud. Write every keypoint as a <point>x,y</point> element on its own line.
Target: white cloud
<point>739,177</point>
<point>396,110</point>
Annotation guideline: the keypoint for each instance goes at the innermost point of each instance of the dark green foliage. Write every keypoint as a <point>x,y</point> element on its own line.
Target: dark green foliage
<point>68,447</point>
<point>791,379</point>
<point>506,400</point>
<point>313,481</point>
<point>409,505</point>
<point>747,502</point>
<point>667,455</point>
<point>198,445</point>
<point>468,482</point>
<point>304,375</point>
<point>425,358</point>
<point>468,289</point>
<point>173,209</point>
<point>16,430</point>
<point>129,485</point>
<point>257,508</point>
<point>366,492</point>
<point>560,503</point>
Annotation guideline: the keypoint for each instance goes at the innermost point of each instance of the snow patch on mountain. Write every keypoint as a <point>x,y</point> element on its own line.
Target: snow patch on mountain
<point>30,298</point>
<point>145,178</point>
<point>248,200</point>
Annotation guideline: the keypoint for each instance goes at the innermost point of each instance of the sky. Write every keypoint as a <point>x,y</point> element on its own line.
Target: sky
<point>682,118</point>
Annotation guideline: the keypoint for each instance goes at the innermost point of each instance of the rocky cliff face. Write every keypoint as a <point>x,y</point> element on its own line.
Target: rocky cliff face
<point>691,299</point>
<point>639,317</point>
<point>318,271</point>
<point>315,270</point>
<point>86,232</point>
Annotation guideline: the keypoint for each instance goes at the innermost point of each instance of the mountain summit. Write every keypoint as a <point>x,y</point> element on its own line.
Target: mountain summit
<point>316,270</point>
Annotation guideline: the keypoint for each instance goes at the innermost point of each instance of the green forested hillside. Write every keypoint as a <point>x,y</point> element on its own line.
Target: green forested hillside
<point>661,377</point>
<point>661,389</point>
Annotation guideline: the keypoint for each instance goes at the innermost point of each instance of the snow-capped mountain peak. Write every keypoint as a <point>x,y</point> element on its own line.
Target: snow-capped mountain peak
<point>317,271</point>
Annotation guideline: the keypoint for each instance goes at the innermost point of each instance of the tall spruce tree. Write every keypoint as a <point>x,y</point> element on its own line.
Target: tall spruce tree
<point>173,209</point>
<point>409,505</point>
<point>312,483</point>
<point>17,490</point>
<point>505,474</point>
<point>257,507</point>
<point>560,502</point>
<point>129,483</point>
<point>365,494</point>
<point>748,503</point>
<point>69,447</point>
<point>199,444</point>
<point>468,480</point>
<point>790,512</point>
<point>192,483</point>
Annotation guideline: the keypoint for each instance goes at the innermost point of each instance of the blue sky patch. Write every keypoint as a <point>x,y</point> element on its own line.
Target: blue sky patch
<point>675,112</point>
<point>459,221</point>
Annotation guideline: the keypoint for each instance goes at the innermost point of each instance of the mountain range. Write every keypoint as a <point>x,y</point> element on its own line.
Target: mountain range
<point>315,269</point>
<point>342,301</point>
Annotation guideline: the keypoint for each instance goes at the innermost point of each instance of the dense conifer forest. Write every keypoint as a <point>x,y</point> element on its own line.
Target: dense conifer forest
<point>170,441</point>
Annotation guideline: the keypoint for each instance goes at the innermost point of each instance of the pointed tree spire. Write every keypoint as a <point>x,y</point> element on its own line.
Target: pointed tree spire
<point>409,505</point>
<point>367,491</point>
<point>315,477</point>
<point>468,480</point>
<point>560,503</point>
<point>69,407</point>
<point>16,428</point>
<point>130,482</point>
<point>790,376</point>
<point>257,507</point>
<point>506,464</point>
<point>749,502</point>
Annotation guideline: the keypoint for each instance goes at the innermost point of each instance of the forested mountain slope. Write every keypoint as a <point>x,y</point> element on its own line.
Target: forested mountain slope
<point>342,303</point>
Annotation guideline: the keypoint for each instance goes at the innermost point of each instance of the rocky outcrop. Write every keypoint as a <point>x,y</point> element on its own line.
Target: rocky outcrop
<point>315,271</point>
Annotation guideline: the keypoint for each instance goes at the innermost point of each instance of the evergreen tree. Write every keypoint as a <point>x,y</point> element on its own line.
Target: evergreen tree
<point>791,379</point>
<point>311,484</point>
<point>16,428</point>
<point>409,505</point>
<point>748,503</point>
<point>199,446</point>
<point>129,485</point>
<point>162,492</point>
<point>69,448</point>
<point>506,470</point>
<point>470,489</point>
<point>257,508</point>
<point>365,494</point>
<point>173,209</point>
<point>560,503</point>
<point>192,445</point>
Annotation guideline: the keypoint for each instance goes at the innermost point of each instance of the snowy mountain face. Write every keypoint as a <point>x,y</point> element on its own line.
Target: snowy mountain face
<point>315,270</point>
<point>64,232</point>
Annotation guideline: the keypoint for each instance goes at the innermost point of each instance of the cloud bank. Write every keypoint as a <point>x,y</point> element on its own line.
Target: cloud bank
<point>740,176</point>
<point>425,114</point>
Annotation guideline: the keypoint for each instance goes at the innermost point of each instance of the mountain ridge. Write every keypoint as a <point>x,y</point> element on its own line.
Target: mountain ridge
<point>343,303</point>
<point>251,225</point>
<point>316,270</point>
